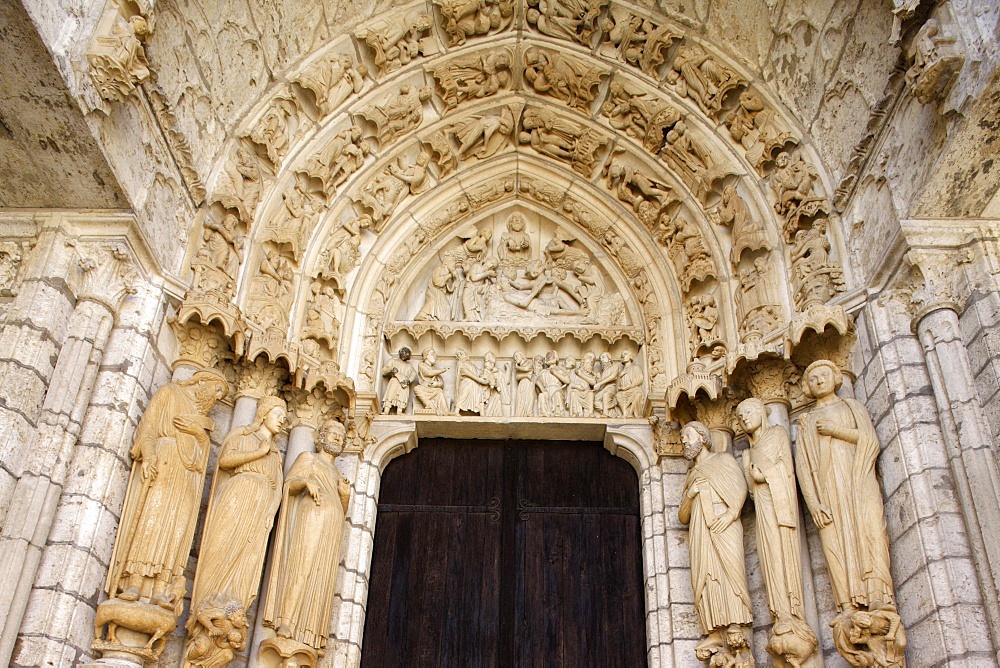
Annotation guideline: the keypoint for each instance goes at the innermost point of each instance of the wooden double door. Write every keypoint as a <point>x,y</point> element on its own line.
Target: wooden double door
<point>506,553</point>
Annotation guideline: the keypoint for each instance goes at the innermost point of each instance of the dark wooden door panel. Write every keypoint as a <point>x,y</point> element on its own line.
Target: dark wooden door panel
<point>506,554</point>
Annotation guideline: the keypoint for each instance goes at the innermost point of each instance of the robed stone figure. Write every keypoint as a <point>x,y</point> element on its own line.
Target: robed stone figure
<point>770,475</point>
<point>713,497</point>
<point>302,585</point>
<point>169,456</point>
<point>837,451</point>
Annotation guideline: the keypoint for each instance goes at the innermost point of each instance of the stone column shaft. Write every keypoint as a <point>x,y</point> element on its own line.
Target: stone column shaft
<point>36,495</point>
<point>971,454</point>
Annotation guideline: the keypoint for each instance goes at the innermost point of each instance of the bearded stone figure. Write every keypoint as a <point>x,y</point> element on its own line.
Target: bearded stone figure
<point>713,497</point>
<point>837,452</point>
<point>246,493</point>
<point>146,578</point>
<point>302,585</point>
<point>770,476</point>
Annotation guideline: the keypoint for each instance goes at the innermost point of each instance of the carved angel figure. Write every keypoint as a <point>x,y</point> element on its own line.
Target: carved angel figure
<point>274,131</point>
<point>332,80</point>
<point>302,586</point>
<point>563,77</point>
<point>474,77</point>
<point>792,183</point>
<point>471,18</point>
<point>561,139</point>
<point>395,42</point>
<point>430,388</point>
<point>713,497</point>
<point>756,128</point>
<point>218,261</point>
<point>748,234</point>
<point>639,115</point>
<point>639,41</point>
<point>272,289</point>
<point>391,186</point>
<point>703,316</point>
<point>483,135</point>
<point>343,250</point>
<point>696,74</point>
<point>241,183</point>
<point>397,114</point>
<point>339,159</point>
<point>575,20</point>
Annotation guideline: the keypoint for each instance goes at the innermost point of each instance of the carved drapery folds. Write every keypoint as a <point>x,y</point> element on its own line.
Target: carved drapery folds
<point>146,583</point>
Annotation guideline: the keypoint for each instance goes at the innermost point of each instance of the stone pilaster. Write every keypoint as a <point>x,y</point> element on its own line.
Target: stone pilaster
<point>106,276</point>
<point>938,301</point>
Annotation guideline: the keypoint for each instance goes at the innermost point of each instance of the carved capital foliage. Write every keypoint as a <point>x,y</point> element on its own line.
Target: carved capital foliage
<point>937,280</point>
<point>718,414</point>
<point>203,346</point>
<point>765,379</point>
<point>117,55</point>
<point>106,274</point>
<point>667,437</point>
<point>311,408</point>
<point>260,378</point>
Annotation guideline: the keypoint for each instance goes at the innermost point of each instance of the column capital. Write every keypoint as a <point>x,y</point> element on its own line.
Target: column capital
<point>937,280</point>
<point>260,378</point>
<point>106,274</point>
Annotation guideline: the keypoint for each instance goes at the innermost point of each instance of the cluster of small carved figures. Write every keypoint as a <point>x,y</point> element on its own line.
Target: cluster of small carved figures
<point>834,465</point>
<point>474,284</point>
<point>146,583</point>
<point>543,386</point>
<point>657,50</point>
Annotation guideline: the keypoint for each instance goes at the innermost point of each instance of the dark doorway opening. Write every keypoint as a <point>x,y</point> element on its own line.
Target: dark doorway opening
<point>506,553</point>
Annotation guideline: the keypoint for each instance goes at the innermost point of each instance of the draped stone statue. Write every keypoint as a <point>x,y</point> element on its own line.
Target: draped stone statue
<point>837,452</point>
<point>146,578</point>
<point>246,493</point>
<point>770,476</point>
<point>302,585</point>
<point>714,493</point>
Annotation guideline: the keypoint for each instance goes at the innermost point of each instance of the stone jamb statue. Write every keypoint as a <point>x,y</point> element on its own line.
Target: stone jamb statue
<point>837,453</point>
<point>300,592</point>
<point>713,497</point>
<point>770,475</point>
<point>245,497</point>
<point>146,581</point>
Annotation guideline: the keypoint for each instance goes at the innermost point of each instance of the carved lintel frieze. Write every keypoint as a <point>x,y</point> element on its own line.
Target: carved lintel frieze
<point>107,275</point>
<point>201,346</point>
<point>117,55</point>
<point>260,378</point>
